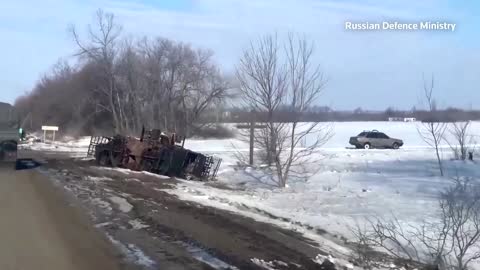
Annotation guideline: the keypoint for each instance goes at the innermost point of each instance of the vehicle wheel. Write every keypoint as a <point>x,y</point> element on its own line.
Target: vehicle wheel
<point>104,159</point>
<point>367,146</point>
<point>146,165</point>
<point>395,146</point>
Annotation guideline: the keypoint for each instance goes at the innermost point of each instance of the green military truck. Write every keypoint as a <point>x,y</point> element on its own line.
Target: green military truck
<point>9,133</point>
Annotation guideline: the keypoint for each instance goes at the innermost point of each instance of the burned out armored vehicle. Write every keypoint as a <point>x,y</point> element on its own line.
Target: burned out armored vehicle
<point>154,152</point>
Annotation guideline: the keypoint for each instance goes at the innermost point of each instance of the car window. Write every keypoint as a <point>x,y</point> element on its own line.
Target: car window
<point>372,135</point>
<point>362,134</point>
<point>382,136</point>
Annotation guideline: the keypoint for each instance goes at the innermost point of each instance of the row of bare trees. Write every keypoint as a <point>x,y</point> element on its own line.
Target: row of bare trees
<point>128,83</point>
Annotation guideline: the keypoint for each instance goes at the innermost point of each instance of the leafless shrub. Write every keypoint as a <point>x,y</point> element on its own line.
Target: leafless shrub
<point>460,205</point>
<point>432,130</point>
<point>461,141</point>
<point>451,242</point>
<point>363,253</point>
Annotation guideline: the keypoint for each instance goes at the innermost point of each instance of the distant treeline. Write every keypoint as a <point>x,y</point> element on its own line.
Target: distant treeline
<point>325,114</point>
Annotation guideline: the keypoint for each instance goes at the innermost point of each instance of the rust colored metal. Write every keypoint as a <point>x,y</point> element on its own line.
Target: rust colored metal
<point>154,152</point>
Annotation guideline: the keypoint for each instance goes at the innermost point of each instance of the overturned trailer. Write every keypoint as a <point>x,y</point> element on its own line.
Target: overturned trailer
<point>154,152</point>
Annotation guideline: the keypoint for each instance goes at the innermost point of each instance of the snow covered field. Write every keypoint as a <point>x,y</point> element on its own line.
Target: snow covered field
<point>348,185</point>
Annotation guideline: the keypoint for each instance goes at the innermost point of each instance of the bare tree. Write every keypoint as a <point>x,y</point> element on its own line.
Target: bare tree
<point>131,86</point>
<point>262,79</point>
<point>432,130</point>
<point>182,84</point>
<point>306,82</point>
<point>459,147</point>
<point>203,87</point>
<point>271,78</point>
<point>101,48</point>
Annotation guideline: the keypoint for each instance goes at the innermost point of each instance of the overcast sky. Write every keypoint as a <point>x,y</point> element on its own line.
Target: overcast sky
<point>372,70</point>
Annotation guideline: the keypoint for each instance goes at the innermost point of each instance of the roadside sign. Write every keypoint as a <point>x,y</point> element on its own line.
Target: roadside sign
<point>49,128</point>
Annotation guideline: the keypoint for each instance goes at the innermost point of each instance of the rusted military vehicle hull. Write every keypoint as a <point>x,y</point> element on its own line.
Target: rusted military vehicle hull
<point>156,157</point>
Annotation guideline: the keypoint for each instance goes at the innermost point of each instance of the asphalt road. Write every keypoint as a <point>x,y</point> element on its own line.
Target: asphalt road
<point>39,229</point>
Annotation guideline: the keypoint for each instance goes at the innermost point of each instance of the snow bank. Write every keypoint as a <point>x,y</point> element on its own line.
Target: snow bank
<point>70,145</point>
<point>349,185</point>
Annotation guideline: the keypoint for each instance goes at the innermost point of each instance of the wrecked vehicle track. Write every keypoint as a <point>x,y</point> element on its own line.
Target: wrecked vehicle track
<point>178,234</point>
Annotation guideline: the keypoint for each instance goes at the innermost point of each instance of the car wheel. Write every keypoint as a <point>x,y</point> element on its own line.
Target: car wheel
<point>367,146</point>
<point>395,146</point>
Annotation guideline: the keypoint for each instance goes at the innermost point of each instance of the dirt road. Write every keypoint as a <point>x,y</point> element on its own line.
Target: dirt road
<point>39,229</point>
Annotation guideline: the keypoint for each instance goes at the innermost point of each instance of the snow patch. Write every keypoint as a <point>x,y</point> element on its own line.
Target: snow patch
<point>263,264</point>
<point>203,256</point>
<point>99,179</point>
<point>130,173</point>
<point>139,257</point>
<point>104,224</point>
<point>321,259</point>
<point>137,224</point>
<point>133,253</point>
<point>270,265</point>
<point>121,203</point>
<point>102,204</point>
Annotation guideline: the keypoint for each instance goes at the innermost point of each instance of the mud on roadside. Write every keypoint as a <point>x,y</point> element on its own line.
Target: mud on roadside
<point>176,234</point>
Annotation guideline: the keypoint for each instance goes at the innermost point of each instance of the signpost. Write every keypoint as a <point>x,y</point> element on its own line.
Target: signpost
<point>49,128</point>
<point>252,126</point>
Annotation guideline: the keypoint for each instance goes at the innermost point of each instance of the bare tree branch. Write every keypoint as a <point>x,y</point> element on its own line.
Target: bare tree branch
<point>270,79</point>
<point>432,131</point>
